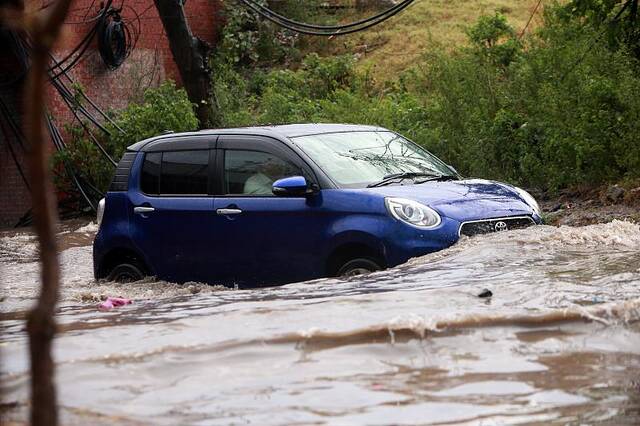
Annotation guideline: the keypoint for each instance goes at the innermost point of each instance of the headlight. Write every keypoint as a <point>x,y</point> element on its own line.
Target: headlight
<point>413,213</point>
<point>529,200</point>
<point>100,212</point>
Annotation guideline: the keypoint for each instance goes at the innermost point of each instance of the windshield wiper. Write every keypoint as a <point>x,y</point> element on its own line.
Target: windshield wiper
<point>440,178</point>
<point>400,176</point>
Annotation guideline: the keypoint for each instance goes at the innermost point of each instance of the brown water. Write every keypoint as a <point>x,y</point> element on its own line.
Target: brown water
<point>558,343</point>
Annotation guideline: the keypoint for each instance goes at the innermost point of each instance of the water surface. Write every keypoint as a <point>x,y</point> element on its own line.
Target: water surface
<point>558,342</point>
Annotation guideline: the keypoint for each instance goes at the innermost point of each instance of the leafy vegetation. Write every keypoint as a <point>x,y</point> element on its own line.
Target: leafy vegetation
<point>553,109</point>
<point>165,108</point>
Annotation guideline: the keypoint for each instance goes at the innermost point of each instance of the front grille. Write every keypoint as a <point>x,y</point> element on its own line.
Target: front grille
<point>495,225</point>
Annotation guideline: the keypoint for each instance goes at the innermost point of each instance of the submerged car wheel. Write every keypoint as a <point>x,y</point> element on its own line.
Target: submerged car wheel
<point>126,273</point>
<point>359,266</point>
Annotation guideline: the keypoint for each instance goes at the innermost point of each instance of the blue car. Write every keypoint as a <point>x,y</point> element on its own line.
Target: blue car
<point>263,206</point>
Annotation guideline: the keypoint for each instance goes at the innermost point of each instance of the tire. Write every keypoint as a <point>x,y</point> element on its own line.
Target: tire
<point>359,266</point>
<point>126,273</point>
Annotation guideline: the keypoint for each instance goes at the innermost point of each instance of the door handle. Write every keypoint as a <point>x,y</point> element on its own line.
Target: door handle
<point>143,210</point>
<point>227,212</point>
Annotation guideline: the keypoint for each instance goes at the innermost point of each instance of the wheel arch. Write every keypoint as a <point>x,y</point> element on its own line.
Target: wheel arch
<point>351,245</point>
<point>117,256</point>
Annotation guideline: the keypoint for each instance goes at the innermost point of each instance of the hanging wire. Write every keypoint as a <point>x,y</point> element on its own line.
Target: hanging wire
<point>78,51</point>
<point>64,91</point>
<point>284,19</point>
<point>23,64</point>
<point>6,115</point>
<point>116,37</point>
<point>328,30</point>
<point>533,13</point>
<point>59,71</point>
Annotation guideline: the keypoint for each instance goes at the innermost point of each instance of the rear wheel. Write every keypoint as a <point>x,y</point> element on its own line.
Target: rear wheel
<point>359,266</point>
<point>126,272</point>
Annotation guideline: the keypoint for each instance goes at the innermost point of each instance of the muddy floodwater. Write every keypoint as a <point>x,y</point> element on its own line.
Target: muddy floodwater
<point>557,343</point>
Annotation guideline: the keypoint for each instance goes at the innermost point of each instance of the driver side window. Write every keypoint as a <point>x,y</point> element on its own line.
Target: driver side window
<point>253,172</point>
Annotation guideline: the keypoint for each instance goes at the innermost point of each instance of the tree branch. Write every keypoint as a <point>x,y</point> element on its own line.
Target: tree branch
<point>43,28</point>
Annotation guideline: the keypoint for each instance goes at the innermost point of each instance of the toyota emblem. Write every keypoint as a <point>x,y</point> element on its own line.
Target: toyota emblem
<point>500,226</point>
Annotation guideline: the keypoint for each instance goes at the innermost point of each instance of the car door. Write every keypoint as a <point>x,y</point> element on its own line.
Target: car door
<point>268,239</point>
<point>172,221</point>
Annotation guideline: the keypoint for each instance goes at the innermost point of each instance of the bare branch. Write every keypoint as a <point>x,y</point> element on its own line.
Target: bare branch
<point>43,28</point>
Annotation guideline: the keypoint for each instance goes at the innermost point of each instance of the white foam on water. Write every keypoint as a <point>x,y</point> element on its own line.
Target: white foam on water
<point>616,233</point>
<point>90,228</point>
<point>20,247</point>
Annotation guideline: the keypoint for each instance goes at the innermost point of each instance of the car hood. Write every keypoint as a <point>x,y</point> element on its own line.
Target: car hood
<point>463,200</point>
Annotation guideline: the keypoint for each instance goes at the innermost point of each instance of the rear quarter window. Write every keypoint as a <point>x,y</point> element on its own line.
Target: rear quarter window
<point>120,181</point>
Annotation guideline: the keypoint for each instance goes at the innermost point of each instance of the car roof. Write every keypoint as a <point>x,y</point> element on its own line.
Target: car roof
<point>284,131</point>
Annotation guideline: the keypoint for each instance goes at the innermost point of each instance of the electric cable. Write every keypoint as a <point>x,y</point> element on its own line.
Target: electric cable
<point>18,52</point>
<point>82,47</point>
<point>58,69</point>
<point>400,5</point>
<point>113,39</point>
<point>66,95</point>
<point>7,117</point>
<point>336,31</point>
<point>15,128</point>
<point>535,10</point>
<point>342,30</point>
<point>87,99</point>
<point>56,137</point>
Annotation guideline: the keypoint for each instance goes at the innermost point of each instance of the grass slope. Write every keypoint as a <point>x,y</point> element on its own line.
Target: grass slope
<point>395,45</point>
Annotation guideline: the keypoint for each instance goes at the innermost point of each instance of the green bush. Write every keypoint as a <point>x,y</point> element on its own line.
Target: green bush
<point>164,108</point>
<point>84,158</point>
<point>556,109</point>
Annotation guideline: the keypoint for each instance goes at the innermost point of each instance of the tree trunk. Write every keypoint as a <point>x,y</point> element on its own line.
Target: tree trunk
<point>41,326</point>
<point>191,54</point>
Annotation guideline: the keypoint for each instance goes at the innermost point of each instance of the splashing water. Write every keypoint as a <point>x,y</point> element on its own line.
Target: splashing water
<point>558,342</point>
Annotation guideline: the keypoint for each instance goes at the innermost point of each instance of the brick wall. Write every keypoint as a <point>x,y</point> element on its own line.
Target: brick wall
<point>150,63</point>
<point>14,196</point>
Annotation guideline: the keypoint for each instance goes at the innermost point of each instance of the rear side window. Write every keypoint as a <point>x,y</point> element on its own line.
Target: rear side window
<point>176,173</point>
<point>184,172</point>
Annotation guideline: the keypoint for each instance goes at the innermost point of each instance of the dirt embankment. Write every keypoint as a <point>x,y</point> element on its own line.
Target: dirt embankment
<point>585,207</point>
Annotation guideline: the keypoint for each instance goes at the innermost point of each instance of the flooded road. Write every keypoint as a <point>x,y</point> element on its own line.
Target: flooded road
<point>558,343</point>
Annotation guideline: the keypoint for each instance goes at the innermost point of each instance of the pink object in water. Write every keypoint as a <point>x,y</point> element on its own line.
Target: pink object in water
<point>113,302</point>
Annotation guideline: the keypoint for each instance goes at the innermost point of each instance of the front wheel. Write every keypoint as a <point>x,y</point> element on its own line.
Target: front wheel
<point>126,273</point>
<point>358,266</point>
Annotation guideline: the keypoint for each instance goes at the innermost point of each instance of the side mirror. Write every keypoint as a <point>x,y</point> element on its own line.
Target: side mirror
<point>294,186</point>
<point>454,169</point>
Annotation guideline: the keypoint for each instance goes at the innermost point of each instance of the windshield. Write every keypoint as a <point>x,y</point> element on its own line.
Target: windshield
<point>357,159</point>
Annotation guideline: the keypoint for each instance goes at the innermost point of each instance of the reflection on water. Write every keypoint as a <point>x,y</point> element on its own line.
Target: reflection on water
<point>558,342</point>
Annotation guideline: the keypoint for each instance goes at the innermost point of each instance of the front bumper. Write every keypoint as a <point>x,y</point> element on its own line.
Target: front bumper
<point>405,242</point>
